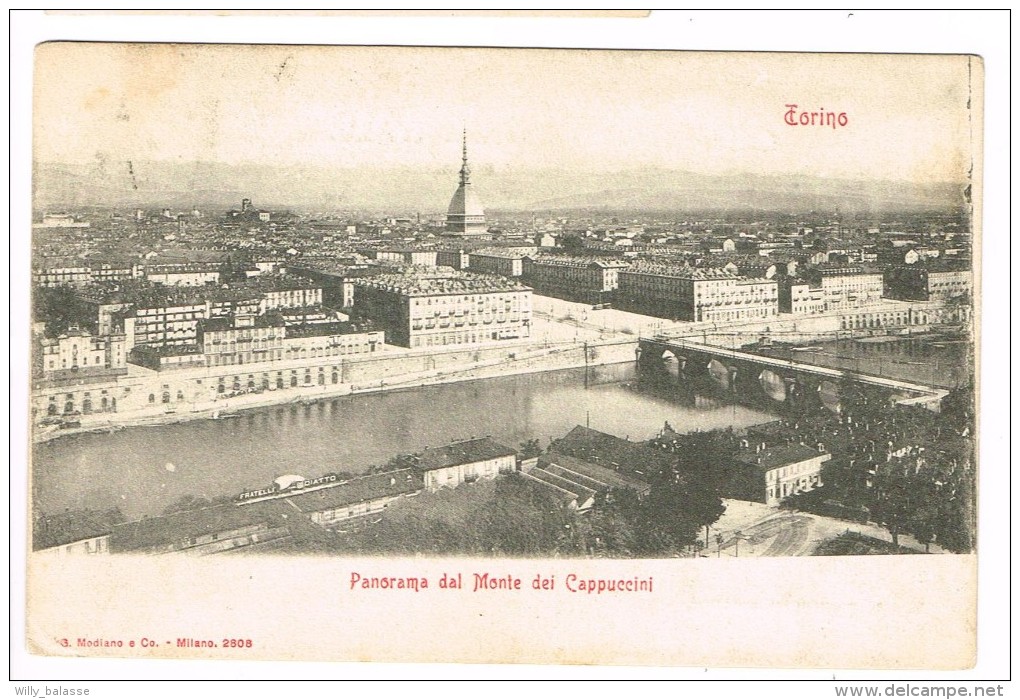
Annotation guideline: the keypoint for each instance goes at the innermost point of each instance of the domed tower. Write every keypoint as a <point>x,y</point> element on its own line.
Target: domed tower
<point>465,217</point>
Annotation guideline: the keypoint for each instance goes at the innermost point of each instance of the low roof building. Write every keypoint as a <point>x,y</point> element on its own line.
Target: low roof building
<point>611,452</point>
<point>356,497</point>
<point>587,474</point>
<point>71,527</point>
<point>209,530</point>
<point>463,452</point>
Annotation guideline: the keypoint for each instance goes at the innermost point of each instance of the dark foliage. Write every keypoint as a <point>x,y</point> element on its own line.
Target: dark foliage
<point>60,308</point>
<point>907,468</point>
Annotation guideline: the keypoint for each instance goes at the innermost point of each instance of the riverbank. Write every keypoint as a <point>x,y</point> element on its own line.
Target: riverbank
<point>516,360</point>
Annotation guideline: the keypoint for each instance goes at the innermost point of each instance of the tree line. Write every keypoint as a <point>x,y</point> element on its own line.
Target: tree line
<point>906,468</point>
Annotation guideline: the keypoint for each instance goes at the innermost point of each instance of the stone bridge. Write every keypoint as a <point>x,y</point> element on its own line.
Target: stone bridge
<point>747,375</point>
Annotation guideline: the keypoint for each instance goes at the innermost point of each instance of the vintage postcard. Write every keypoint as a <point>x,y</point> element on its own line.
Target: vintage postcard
<point>431,354</point>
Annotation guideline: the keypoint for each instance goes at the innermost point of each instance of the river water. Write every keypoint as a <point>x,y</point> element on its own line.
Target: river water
<point>142,470</point>
<point>935,360</point>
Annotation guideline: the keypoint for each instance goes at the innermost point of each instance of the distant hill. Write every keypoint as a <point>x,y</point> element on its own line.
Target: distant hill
<point>217,185</point>
<point>765,193</point>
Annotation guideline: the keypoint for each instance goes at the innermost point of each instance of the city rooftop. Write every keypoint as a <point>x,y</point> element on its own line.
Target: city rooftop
<point>434,281</point>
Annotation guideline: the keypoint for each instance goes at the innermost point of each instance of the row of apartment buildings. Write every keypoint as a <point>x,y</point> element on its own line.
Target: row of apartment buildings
<point>282,319</point>
<point>58,272</point>
<point>830,288</point>
<point>158,315</point>
<point>221,342</point>
<point>429,306</point>
<point>417,314</point>
<point>246,339</point>
<point>186,380</point>
<point>751,289</point>
<point>321,359</point>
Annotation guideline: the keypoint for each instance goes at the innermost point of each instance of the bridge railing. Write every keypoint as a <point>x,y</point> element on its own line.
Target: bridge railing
<point>792,365</point>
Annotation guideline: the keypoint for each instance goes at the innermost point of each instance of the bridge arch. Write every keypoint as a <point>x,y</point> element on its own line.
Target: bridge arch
<point>672,363</point>
<point>773,384</point>
<point>830,396</point>
<point>719,373</point>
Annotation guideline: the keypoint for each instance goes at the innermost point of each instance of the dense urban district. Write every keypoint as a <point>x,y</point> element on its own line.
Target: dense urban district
<point>152,315</point>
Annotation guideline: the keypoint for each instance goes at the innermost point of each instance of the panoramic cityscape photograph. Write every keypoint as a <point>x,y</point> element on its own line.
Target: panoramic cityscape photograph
<point>574,304</point>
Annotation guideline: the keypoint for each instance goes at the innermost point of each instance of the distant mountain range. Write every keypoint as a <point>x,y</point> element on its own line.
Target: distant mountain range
<point>152,184</point>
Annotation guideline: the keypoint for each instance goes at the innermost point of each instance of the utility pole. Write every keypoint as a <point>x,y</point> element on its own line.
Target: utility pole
<point>586,364</point>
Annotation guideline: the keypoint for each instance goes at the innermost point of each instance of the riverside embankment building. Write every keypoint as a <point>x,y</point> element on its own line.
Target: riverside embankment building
<point>695,294</point>
<point>439,307</point>
<point>586,279</point>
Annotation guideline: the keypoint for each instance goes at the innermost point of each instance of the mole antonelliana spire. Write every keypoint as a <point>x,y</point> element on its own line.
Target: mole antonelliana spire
<point>465,217</point>
<point>465,169</point>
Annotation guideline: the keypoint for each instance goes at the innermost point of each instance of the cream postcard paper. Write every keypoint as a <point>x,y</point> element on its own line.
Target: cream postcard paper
<point>504,355</point>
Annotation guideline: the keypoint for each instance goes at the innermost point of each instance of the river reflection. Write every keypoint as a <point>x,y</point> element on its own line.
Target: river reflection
<point>144,469</point>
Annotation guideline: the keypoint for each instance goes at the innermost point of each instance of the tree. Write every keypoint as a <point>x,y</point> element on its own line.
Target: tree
<point>234,268</point>
<point>956,522</point>
<point>956,414</point>
<point>894,502</point>
<point>571,244</point>
<point>686,495</point>
<point>923,525</point>
<point>705,457</point>
<point>60,308</point>
<point>524,518</point>
<point>611,527</point>
<point>672,515</point>
<point>846,481</point>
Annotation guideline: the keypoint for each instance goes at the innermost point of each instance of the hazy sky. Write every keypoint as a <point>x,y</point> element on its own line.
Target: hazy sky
<point>351,107</point>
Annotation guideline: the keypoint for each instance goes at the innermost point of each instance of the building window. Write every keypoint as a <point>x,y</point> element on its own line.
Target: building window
<point>152,398</point>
